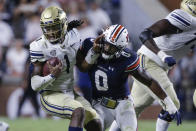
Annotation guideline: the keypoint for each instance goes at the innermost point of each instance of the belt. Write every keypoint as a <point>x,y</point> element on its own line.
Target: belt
<point>111,103</point>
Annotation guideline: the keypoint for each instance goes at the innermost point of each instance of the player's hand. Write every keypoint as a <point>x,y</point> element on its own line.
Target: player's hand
<point>172,110</point>
<point>55,70</point>
<point>74,24</point>
<point>97,45</point>
<point>169,60</point>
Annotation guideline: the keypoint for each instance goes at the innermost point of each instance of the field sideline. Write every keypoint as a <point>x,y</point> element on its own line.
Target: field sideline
<point>27,124</point>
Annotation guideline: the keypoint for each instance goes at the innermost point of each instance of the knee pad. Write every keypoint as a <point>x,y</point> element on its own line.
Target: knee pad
<point>164,115</point>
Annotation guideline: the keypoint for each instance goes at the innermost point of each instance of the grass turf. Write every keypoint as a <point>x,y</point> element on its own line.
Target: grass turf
<point>28,124</point>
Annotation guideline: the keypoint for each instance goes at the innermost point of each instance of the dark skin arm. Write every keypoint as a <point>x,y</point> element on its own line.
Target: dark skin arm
<point>160,28</point>
<point>80,57</point>
<point>152,84</point>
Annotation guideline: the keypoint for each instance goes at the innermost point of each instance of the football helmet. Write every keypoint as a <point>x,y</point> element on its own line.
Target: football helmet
<point>189,6</point>
<point>54,24</point>
<point>114,40</point>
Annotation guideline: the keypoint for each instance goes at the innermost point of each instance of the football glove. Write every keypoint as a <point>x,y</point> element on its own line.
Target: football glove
<point>172,110</point>
<point>74,24</point>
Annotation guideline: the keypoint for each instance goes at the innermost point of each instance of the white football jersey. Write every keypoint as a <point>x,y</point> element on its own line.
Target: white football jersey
<point>42,50</point>
<point>176,45</point>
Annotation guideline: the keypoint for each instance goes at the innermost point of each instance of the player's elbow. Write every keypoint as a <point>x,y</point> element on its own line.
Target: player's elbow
<point>84,66</point>
<point>35,85</point>
<point>146,35</point>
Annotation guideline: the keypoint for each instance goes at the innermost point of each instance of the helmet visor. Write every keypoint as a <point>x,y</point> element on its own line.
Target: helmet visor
<point>53,33</point>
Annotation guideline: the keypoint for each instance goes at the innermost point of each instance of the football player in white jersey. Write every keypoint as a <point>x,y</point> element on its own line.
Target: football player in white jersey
<point>60,39</point>
<point>164,44</point>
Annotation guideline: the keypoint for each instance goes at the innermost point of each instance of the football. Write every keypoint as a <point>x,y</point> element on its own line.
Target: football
<point>53,62</point>
<point>194,98</point>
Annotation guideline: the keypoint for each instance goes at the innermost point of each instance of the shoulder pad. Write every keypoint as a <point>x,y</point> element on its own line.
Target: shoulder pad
<point>180,19</point>
<point>132,60</point>
<point>126,53</point>
<point>36,48</point>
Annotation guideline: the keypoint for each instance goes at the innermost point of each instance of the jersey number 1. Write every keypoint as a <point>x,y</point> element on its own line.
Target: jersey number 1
<point>67,62</point>
<point>101,80</point>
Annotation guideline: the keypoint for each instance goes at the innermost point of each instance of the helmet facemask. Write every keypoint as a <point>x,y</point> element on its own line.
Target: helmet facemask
<point>54,33</point>
<point>110,50</point>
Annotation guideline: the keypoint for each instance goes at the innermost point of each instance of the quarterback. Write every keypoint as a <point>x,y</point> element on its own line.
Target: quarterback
<point>56,89</point>
<point>109,63</point>
<point>164,44</point>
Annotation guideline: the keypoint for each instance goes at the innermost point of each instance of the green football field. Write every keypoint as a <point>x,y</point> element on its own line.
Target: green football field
<point>28,124</point>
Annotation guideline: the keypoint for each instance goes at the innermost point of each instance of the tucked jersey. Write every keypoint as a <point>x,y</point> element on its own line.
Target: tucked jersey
<point>109,77</point>
<point>42,50</point>
<point>176,45</point>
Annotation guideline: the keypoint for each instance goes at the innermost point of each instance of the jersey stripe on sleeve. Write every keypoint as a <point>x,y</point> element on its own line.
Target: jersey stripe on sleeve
<point>133,66</point>
<point>178,18</point>
<point>36,55</point>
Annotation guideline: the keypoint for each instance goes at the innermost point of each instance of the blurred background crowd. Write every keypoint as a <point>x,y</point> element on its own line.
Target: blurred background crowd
<point>19,26</point>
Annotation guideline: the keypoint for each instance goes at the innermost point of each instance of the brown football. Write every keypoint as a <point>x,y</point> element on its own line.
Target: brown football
<point>52,61</point>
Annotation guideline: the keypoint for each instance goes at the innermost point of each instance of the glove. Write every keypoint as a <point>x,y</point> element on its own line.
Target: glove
<point>172,110</point>
<point>169,60</point>
<point>74,24</point>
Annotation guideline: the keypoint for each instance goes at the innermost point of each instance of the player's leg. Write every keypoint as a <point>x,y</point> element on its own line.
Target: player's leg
<point>125,115</point>
<point>161,76</point>
<point>141,98</point>
<point>63,105</point>
<point>24,97</point>
<point>33,96</point>
<point>114,127</point>
<point>92,121</point>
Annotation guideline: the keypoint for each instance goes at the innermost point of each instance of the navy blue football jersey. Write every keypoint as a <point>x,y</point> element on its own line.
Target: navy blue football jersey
<point>109,77</point>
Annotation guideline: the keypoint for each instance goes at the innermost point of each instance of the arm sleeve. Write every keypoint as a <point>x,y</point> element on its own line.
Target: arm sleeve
<point>75,36</point>
<point>133,62</point>
<point>180,19</point>
<point>36,53</point>
<point>38,82</point>
<point>86,45</point>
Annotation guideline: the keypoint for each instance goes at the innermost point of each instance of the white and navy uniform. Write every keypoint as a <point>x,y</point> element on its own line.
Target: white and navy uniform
<point>109,83</point>
<point>177,45</point>
<point>57,98</point>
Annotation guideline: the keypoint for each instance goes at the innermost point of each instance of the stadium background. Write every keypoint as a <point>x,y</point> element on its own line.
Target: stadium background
<point>19,25</point>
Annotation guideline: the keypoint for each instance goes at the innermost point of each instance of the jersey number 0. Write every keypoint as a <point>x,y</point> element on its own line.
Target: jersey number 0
<point>101,80</point>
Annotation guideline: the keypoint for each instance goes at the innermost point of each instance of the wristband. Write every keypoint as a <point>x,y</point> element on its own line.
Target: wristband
<point>161,54</point>
<point>53,77</point>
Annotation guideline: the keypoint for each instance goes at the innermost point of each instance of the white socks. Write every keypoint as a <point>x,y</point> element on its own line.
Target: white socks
<point>114,126</point>
<point>162,125</point>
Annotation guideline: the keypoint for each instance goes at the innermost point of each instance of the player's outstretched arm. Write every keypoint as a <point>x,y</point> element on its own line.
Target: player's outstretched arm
<point>154,86</point>
<point>160,28</point>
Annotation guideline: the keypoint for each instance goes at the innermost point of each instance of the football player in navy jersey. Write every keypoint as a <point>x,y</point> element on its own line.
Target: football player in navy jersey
<point>109,63</point>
